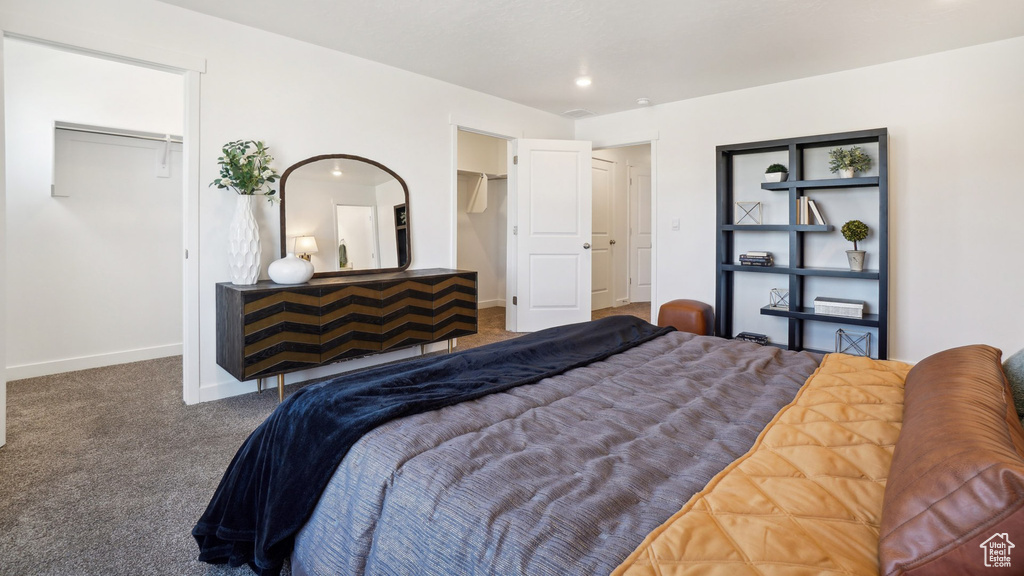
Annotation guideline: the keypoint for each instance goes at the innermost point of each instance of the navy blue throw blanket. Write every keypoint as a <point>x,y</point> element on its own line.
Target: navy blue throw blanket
<point>274,481</point>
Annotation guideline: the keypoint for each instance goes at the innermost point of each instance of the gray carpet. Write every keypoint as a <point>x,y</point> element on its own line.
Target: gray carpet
<point>106,471</point>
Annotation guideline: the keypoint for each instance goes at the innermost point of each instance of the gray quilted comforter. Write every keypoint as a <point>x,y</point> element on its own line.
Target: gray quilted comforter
<point>566,476</point>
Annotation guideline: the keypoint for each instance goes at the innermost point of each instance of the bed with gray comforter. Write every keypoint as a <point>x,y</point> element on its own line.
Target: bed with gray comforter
<point>565,476</point>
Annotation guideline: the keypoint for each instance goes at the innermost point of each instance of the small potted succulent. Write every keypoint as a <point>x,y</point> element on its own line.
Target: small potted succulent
<point>776,173</point>
<point>848,161</point>
<point>855,231</point>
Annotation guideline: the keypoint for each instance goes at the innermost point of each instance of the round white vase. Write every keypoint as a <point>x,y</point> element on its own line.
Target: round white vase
<point>290,270</point>
<point>846,172</point>
<point>244,244</point>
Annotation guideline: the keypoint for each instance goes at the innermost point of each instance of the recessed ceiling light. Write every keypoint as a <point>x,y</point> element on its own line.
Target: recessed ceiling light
<point>583,81</point>
<point>643,101</point>
<point>336,172</point>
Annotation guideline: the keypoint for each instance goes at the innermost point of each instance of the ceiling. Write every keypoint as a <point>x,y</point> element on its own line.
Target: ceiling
<point>531,51</point>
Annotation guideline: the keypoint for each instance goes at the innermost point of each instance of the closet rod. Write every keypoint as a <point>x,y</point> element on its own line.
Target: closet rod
<point>117,132</point>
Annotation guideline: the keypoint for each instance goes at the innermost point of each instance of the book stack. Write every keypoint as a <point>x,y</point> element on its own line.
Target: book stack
<point>839,307</point>
<point>757,259</point>
<point>752,337</point>
<point>807,212</point>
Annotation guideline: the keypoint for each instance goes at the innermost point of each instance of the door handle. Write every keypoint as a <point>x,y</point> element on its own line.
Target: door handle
<point>611,241</point>
<point>586,245</point>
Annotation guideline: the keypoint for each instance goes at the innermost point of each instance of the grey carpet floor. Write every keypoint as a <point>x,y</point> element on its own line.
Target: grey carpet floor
<point>106,470</point>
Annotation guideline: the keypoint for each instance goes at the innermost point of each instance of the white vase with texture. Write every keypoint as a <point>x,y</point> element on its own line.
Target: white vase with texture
<point>244,243</point>
<point>846,172</point>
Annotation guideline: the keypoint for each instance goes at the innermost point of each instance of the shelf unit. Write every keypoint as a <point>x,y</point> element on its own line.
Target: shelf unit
<point>729,272</point>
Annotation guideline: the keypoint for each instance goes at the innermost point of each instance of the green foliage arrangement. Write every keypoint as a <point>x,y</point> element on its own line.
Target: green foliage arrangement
<point>840,158</point>
<point>855,231</point>
<point>776,168</point>
<point>247,172</point>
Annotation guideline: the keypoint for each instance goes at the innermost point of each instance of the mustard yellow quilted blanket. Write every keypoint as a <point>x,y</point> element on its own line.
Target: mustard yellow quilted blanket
<point>807,498</point>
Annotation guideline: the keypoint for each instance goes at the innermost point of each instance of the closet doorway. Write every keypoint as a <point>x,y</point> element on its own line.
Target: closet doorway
<point>94,211</point>
<point>482,214</point>
<point>622,226</point>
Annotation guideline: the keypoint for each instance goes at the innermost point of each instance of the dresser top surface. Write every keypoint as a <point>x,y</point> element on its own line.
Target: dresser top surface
<point>354,279</point>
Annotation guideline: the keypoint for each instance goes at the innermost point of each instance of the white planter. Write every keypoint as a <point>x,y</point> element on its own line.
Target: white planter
<point>856,258</point>
<point>290,270</point>
<point>775,176</point>
<point>846,173</point>
<point>244,244</point>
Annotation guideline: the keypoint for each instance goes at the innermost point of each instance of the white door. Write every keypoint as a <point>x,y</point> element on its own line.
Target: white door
<point>602,172</point>
<point>357,230</point>
<point>550,196</point>
<point>640,234</point>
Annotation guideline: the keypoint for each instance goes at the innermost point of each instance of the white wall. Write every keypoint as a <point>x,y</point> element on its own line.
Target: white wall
<point>624,157</point>
<point>69,304</point>
<point>302,100</point>
<point>955,124</point>
<point>3,263</point>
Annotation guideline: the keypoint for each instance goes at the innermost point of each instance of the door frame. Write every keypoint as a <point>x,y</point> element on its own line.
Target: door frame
<point>129,52</point>
<point>650,138</point>
<point>495,130</point>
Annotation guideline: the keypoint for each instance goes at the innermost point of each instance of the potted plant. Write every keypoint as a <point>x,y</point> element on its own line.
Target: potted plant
<point>245,168</point>
<point>847,162</point>
<point>855,231</point>
<point>776,173</point>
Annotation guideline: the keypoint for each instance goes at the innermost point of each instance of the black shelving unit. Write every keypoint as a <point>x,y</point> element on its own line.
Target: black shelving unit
<point>729,272</point>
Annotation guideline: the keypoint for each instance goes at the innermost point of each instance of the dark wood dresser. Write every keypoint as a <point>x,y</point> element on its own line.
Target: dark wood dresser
<point>268,329</point>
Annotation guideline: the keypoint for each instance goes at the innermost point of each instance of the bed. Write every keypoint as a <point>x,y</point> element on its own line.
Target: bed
<point>668,453</point>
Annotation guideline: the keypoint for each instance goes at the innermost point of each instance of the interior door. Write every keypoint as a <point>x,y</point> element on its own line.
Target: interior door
<point>602,173</point>
<point>551,233</point>
<point>640,234</point>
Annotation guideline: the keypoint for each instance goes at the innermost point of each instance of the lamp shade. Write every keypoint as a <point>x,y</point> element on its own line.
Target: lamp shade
<point>305,245</point>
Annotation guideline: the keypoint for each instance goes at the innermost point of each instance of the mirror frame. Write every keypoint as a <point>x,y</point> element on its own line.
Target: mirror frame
<point>284,220</point>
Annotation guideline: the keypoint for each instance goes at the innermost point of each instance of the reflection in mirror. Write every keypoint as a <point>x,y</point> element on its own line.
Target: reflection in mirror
<point>354,209</point>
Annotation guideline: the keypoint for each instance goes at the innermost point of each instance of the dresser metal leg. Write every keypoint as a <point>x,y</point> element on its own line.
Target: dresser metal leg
<point>259,385</point>
<point>280,387</point>
<point>450,342</point>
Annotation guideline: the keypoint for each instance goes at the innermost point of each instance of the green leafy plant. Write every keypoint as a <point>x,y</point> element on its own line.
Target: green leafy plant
<point>842,158</point>
<point>247,172</point>
<point>776,168</point>
<point>855,231</point>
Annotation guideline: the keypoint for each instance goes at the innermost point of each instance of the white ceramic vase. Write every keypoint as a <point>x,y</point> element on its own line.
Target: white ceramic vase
<point>290,270</point>
<point>775,176</point>
<point>244,243</point>
<point>846,173</point>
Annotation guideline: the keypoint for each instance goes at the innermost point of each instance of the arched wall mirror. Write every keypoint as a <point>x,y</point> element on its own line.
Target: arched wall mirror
<point>346,215</point>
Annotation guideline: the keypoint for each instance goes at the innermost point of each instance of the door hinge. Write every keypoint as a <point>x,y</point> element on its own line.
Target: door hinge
<point>515,160</point>
<point>186,254</point>
<point>515,230</point>
<point>515,301</point>
<point>630,281</point>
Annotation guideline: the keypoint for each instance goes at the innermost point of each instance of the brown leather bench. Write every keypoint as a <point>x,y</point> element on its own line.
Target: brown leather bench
<point>688,316</point>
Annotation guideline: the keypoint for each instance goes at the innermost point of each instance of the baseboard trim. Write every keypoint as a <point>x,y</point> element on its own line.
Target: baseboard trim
<point>491,303</point>
<point>86,362</point>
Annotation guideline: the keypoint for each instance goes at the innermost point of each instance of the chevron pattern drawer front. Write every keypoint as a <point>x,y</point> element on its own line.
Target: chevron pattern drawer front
<point>408,313</point>
<point>350,322</point>
<point>282,331</point>
<point>455,306</point>
<point>269,329</point>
